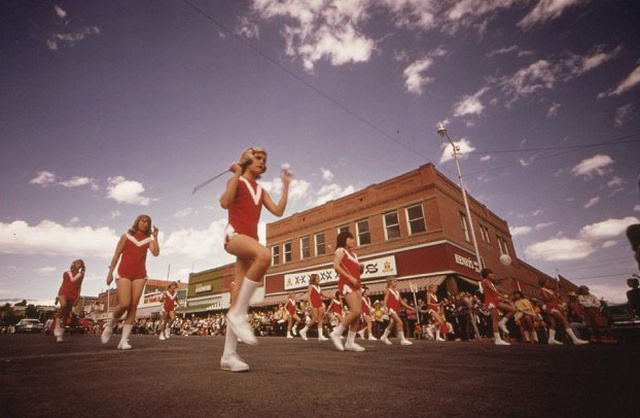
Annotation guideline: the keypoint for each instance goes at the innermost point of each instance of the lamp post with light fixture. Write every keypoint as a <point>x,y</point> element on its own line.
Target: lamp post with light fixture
<point>442,131</point>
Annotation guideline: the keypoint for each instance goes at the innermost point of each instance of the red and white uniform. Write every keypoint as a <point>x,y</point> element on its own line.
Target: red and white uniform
<point>244,211</point>
<point>491,294</point>
<point>432,303</point>
<point>366,306</point>
<point>290,307</point>
<point>169,303</point>
<point>71,283</point>
<point>335,306</point>
<point>315,296</point>
<point>351,264</point>
<point>393,301</point>
<point>133,264</point>
<point>551,300</point>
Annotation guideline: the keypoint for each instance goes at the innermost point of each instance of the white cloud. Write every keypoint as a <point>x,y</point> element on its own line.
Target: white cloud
<point>609,243</point>
<point>183,213</point>
<point>45,270</point>
<point>623,114</point>
<point>414,77</point>
<point>331,192</point>
<point>616,182</point>
<point>61,13</point>
<point>70,38</point>
<point>625,85</point>
<point>553,110</point>
<point>578,65</point>
<point>126,191</point>
<point>297,189</point>
<point>470,105</point>
<point>585,243</point>
<point>519,230</point>
<point>413,14</point>
<point>543,225</point>
<point>526,162</point>
<point>43,178</point>
<point>606,229</point>
<point>526,81</point>
<point>592,202</point>
<point>546,10</point>
<point>316,30</point>
<point>46,178</point>
<point>591,166</point>
<point>76,181</point>
<point>560,249</point>
<point>464,148</point>
<point>51,238</point>
<point>327,175</point>
<point>196,244</point>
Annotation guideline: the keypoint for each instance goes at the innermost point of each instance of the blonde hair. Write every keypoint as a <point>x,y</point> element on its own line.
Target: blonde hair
<point>247,156</point>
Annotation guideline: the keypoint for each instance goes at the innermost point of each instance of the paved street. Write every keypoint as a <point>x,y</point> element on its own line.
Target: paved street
<point>181,377</point>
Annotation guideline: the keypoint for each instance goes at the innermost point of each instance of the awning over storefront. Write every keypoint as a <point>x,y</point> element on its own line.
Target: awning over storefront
<point>404,285</point>
<point>208,307</point>
<point>272,300</point>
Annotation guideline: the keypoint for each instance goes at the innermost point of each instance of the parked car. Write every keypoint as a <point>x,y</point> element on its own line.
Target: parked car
<point>29,325</point>
<point>625,325</point>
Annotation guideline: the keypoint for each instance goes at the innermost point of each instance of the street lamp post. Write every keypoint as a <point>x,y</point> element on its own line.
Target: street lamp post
<point>442,131</point>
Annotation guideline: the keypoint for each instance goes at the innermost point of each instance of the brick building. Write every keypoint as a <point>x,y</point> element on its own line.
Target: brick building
<point>413,226</point>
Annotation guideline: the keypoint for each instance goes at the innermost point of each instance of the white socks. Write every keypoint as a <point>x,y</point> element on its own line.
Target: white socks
<point>126,332</point>
<point>230,342</point>
<point>244,296</point>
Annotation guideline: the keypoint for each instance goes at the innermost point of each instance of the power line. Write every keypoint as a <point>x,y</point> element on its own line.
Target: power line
<point>620,140</point>
<point>300,79</point>
<point>615,141</point>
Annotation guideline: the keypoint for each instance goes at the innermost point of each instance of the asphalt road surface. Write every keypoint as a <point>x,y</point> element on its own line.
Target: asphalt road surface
<point>181,377</point>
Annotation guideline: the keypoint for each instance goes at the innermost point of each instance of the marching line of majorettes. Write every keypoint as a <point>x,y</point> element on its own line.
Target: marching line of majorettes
<point>350,306</point>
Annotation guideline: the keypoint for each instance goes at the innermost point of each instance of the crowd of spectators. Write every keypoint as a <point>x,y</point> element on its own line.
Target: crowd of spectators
<point>465,314</point>
<point>466,319</point>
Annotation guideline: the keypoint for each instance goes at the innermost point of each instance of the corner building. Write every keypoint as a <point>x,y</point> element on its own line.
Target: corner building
<point>413,226</point>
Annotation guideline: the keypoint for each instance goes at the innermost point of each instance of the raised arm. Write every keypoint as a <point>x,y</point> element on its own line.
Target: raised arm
<point>278,210</point>
<point>232,184</point>
<point>154,246</point>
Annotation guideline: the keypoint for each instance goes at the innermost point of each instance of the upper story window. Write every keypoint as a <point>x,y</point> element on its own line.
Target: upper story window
<point>275,255</point>
<point>465,227</point>
<point>320,244</point>
<point>287,252</point>
<point>484,232</point>
<point>391,225</point>
<point>502,244</point>
<point>344,228</point>
<point>362,231</point>
<point>305,247</point>
<point>415,219</point>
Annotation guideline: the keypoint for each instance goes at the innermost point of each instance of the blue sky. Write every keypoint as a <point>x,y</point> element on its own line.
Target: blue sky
<point>110,109</point>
